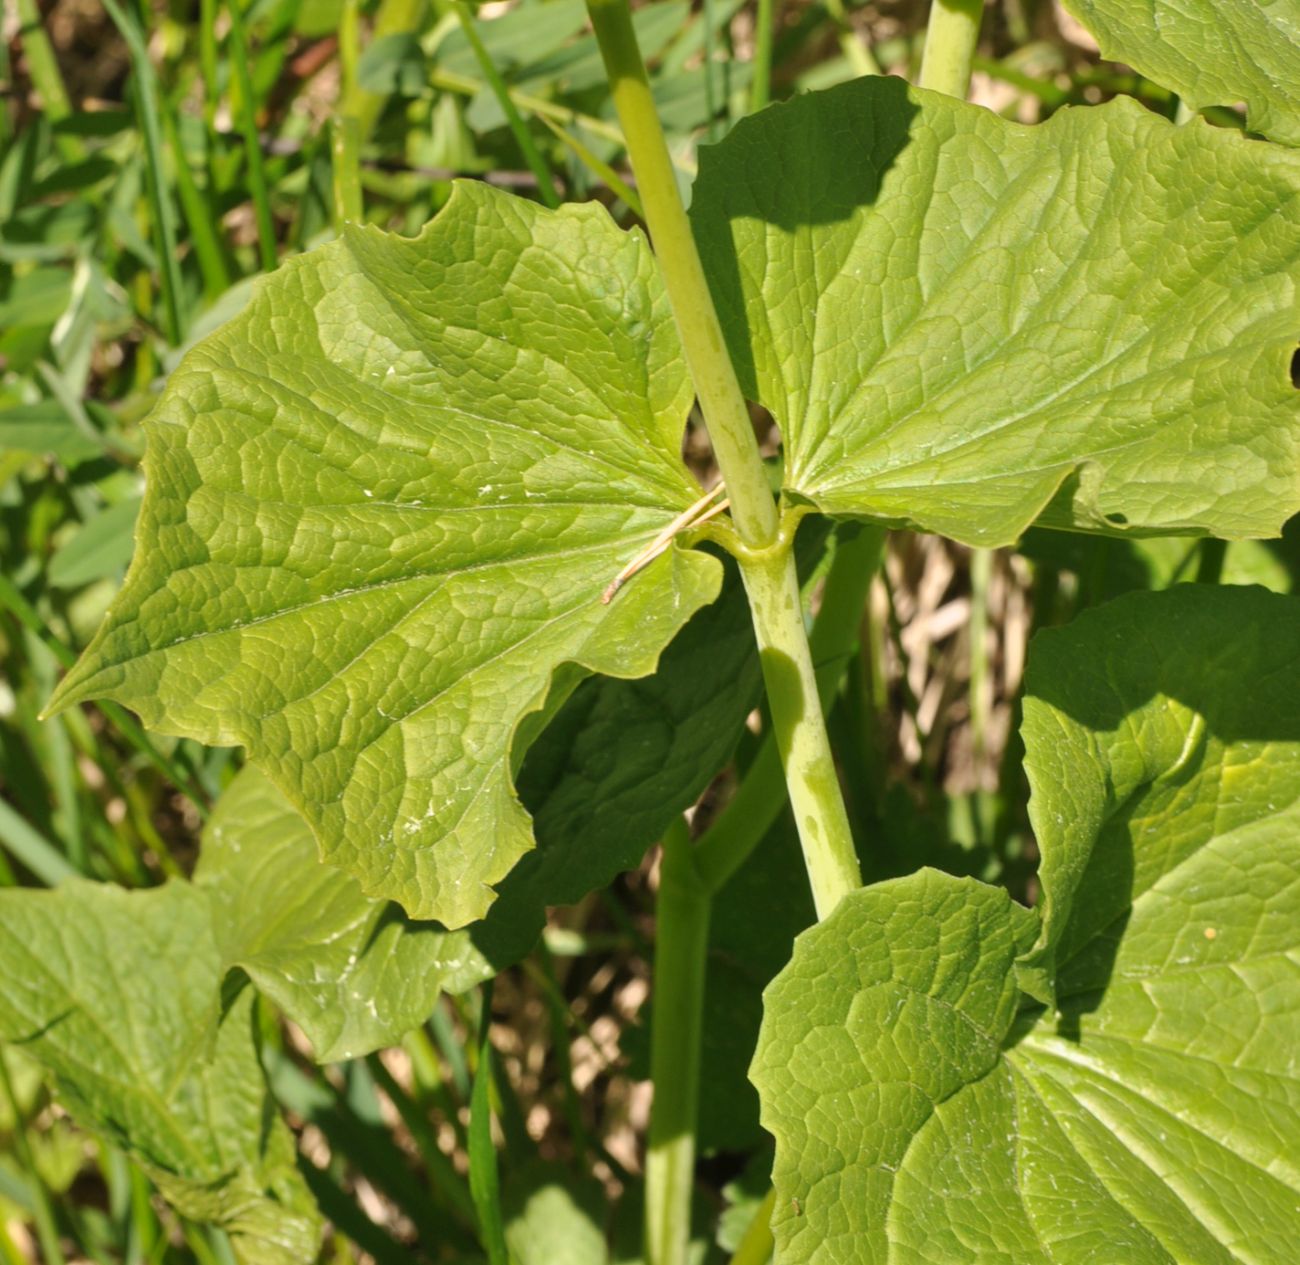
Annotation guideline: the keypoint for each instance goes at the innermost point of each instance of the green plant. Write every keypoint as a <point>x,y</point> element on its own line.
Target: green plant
<point>388,509</point>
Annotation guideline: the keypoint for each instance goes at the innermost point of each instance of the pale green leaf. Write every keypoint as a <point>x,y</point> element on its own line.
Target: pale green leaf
<point>353,973</point>
<point>1163,717</point>
<point>1153,1116</point>
<point>119,995</point>
<point>958,320</point>
<point>1211,52</point>
<point>619,761</point>
<point>888,1007</point>
<point>383,504</point>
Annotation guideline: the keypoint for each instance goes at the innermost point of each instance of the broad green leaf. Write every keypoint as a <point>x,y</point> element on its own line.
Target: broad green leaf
<point>353,973</point>
<point>960,321</point>
<point>1211,52</point>
<point>1153,1115</point>
<point>119,995</point>
<point>1166,717</point>
<point>619,761</point>
<point>888,1007</point>
<point>383,504</point>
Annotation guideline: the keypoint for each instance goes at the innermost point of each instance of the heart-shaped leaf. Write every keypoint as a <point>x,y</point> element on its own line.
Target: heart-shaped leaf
<point>1211,52</point>
<point>956,319</point>
<point>1152,1116</point>
<point>383,504</point>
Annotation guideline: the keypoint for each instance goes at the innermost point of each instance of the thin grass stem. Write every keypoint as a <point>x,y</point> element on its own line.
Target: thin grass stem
<point>246,114</point>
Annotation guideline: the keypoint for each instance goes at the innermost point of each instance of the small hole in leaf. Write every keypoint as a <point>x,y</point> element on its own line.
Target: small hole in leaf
<point>1295,368</point>
<point>1117,520</point>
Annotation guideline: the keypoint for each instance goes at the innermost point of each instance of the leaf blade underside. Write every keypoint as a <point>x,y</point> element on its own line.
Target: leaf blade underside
<point>382,506</point>
<point>960,322</point>
<point>1211,52</point>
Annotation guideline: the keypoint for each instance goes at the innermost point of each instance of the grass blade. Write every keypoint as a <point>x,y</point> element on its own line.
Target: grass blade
<point>598,167</point>
<point>252,138</point>
<point>532,155</point>
<point>144,94</point>
<point>484,1180</point>
<point>25,843</point>
<point>17,605</point>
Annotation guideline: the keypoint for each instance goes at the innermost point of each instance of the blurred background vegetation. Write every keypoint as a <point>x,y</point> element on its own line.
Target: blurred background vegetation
<point>155,160</point>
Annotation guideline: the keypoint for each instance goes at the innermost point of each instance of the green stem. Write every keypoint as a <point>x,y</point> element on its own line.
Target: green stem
<point>760,92</point>
<point>523,137</point>
<point>205,236</point>
<point>681,948</point>
<point>597,166</point>
<point>757,1246</point>
<point>345,130</point>
<point>950,41</point>
<point>247,117</point>
<point>857,52</point>
<point>43,68</point>
<point>145,96</point>
<point>981,566</point>
<point>719,394</point>
<point>710,67</point>
<point>733,836</point>
<point>800,728</point>
<point>764,542</point>
<point>468,86</point>
<point>208,63</point>
<point>1209,565</point>
<point>394,17</point>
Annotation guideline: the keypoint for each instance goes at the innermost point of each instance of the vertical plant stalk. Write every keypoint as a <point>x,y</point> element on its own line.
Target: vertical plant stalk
<point>723,848</point>
<point>247,118</point>
<point>950,42</point>
<point>519,129</point>
<point>765,21</point>
<point>764,547</point>
<point>718,391</point>
<point>1210,557</point>
<point>43,68</point>
<point>205,235</point>
<point>981,567</point>
<point>208,62</point>
<point>857,52</point>
<point>681,946</point>
<point>144,93</point>
<point>800,728</point>
<point>345,128</point>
